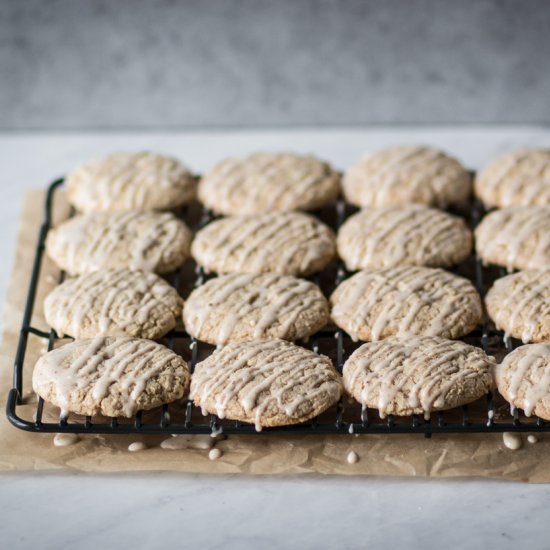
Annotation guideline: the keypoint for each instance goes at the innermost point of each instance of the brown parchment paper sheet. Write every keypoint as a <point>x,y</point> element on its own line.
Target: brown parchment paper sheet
<point>396,455</point>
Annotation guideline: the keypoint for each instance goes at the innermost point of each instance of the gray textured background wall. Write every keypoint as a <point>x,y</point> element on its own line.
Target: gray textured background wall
<point>72,64</point>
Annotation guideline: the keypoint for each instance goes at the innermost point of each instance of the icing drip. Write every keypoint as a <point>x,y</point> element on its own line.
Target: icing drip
<point>269,242</point>
<point>352,457</point>
<point>260,375</point>
<point>64,440</point>
<point>214,454</point>
<point>417,372</point>
<point>404,292</point>
<point>137,446</point>
<point>273,302</point>
<point>512,440</point>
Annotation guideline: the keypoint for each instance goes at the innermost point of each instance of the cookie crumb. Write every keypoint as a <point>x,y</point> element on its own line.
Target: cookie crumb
<point>512,440</point>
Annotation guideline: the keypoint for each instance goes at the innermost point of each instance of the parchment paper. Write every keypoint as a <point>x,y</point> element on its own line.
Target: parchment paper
<point>481,455</point>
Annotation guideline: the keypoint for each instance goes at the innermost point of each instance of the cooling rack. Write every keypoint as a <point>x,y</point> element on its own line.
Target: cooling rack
<point>489,414</point>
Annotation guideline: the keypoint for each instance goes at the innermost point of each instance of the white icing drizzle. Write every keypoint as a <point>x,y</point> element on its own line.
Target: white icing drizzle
<point>65,439</point>
<point>110,301</point>
<point>143,240</point>
<point>529,302</point>
<point>137,446</point>
<point>512,440</point>
<point>424,172</point>
<point>352,457</point>
<point>417,371</point>
<point>127,181</point>
<point>261,374</point>
<point>214,454</point>
<point>266,182</point>
<point>101,363</point>
<point>178,442</point>
<point>268,242</point>
<point>515,232</point>
<point>521,177</point>
<point>411,234</point>
<point>273,302</point>
<point>526,375</point>
<point>404,292</point>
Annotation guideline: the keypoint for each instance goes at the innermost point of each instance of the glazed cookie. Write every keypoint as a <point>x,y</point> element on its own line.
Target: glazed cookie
<point>518,178</point>
<point>400,301</point>
<point>243,306</point>
<point>110,376</point>
<point>404,175</point>
<point>148,241</point>
<point>516,237</point>
<point>523,379</point>
<point>417,375</point>
<point>266,382</point>
<point>520,305</point>
<point>266,182</point>
<point>128,181</point>
<point>403,235</point>
<point>113,303</point>
<point>289,243</point>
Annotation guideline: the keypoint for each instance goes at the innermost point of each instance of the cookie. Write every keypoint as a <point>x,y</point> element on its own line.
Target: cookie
<point>520,305</point>
<point>403,235</point>
<point>518,178</point>
<point>400,301</point>
<point>128,181</point>
<point>404,175</point>
<point>110,376</point>
<point>268,182</point>
<point>266,382</point>
<point>243,306</point>
<point>523,379</point>
<point>289,243</point>
<point>147,241</point>
<point>417,375</point>
<point>113,303</point>
<point>516,238</point>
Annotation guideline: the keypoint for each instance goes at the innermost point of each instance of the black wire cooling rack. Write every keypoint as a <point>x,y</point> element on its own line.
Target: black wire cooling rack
<point>489,414</point>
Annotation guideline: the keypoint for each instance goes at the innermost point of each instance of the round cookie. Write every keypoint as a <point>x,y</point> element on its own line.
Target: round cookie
<point>520,305</point>
<point>128,181</point>
<point>266,382</point>
<point>243,306</point>
<point>523,379</point>
<point>148,241</point>
<point>401,301</point>
<point>268,182</point>
<point>516,237</point>
<point>289,243</point>
<point>404,175</point>
<point>518,178</point>
<point>113,303</point>
<point>110,376</point>
<point>403,235</point>
<point>417,375</point>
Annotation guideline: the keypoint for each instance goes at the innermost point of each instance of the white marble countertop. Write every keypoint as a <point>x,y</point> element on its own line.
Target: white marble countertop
<point>147,511</point>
